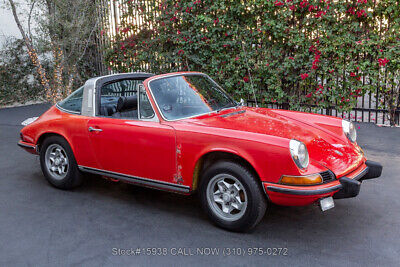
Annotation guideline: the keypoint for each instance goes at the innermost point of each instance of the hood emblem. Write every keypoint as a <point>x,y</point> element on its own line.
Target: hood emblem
<point>338,152</point>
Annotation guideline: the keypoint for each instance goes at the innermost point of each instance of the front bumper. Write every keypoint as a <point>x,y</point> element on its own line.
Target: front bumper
<point>31,148</point>
<point>304,195</point>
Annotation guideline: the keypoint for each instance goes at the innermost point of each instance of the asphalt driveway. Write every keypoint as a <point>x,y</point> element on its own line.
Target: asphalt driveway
<point>40,225</point>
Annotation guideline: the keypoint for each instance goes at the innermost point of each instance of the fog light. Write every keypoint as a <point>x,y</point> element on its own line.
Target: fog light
<point>326,203</point>
<point>301,180</point>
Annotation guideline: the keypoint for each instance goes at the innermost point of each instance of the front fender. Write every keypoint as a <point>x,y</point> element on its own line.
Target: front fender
<point>268,155</point>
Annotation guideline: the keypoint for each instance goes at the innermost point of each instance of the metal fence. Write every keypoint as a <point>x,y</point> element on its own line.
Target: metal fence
<point>368,108</point>
<point>365,111</point>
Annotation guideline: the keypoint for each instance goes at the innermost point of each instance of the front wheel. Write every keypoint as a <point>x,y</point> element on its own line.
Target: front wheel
<point>232,196</point>
<point>58,163</point>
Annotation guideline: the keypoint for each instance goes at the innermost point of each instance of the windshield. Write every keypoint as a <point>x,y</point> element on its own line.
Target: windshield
<point>188,95</point>
<point>73,102</point>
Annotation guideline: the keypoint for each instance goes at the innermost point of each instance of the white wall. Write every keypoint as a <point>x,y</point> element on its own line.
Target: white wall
<point>8,27</point>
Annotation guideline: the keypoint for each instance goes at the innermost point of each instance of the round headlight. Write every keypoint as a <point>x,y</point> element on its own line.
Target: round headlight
<point>299,153</point>
<point>349,130</point>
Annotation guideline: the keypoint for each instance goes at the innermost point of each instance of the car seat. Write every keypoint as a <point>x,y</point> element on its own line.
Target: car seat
<point>127,107</point>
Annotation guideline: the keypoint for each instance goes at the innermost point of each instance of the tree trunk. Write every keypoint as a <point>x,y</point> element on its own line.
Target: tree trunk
<point>32,52</point>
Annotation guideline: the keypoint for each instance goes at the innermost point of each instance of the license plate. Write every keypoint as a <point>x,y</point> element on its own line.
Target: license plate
<point>326,203</point>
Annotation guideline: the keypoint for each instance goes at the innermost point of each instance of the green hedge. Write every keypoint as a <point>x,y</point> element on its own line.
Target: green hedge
<point>18,81</point>
<point>299,52</point>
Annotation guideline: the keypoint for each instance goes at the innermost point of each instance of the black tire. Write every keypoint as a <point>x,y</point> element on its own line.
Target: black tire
<point>256,200</point>
<point>73,176</point>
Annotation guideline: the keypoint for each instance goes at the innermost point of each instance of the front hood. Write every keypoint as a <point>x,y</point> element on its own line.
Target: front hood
<point>323,135</point>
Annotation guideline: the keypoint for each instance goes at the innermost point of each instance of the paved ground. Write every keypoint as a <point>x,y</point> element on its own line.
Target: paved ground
<point>40,225</point>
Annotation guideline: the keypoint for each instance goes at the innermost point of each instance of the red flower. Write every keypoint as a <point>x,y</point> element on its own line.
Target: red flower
<point>309,95</point>
<point>246,79</point>
<point>236,58</point>
<point>181,52</point>
<point>351,10</point>
<point>361,13</point>
<point>303,76</point>
<point>320,14</point>
<point>303,3</point>
<point>383,61</point>
<point>315,62</point>
<point>352,74</point>
<point>278,3</point>
<point>292,58</point>
<point>178,32</point>
<point>330,71</point>
<point>216,21</point>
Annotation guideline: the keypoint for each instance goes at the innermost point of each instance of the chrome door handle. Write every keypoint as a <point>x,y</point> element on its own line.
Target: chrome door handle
<point>91,129</point>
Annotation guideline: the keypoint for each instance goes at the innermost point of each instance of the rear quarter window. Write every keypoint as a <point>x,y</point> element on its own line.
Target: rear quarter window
<point>73,102</point>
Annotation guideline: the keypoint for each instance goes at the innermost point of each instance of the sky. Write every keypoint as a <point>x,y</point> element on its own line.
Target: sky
<point>8,27</point>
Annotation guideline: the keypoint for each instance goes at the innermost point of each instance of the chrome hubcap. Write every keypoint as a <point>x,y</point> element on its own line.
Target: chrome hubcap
<point>227,197</point>
<point>56,161</point>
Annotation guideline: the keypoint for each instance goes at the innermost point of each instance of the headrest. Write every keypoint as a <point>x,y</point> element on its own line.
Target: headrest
<point>127,103</point>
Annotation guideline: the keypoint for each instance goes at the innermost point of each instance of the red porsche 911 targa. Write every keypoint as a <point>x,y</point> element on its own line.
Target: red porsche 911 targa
<point>181,132</point>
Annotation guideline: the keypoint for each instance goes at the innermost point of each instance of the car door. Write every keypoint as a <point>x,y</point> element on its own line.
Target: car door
<point>131,144</point>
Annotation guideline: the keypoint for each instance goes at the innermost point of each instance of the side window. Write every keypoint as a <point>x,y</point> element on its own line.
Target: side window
<point>73,103</point>
<point>120,99</point>
<point>145,109</point>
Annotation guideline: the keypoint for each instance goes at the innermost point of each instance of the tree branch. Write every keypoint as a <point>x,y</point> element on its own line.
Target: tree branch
<point>29,19</point>
<point>31,50</point>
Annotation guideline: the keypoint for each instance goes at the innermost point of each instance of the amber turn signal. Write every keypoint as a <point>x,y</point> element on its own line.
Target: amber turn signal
<point>301,180</point>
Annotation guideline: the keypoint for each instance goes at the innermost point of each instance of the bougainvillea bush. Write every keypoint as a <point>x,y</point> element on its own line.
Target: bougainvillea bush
<point>291,52</point>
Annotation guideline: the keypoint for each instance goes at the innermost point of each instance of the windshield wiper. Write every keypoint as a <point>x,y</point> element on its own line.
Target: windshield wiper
<point>233,113</point>
<point>227,106</point>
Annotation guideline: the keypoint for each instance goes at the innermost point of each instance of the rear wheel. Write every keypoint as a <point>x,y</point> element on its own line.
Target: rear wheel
<point>58,163</point>
<point>232,196</point>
